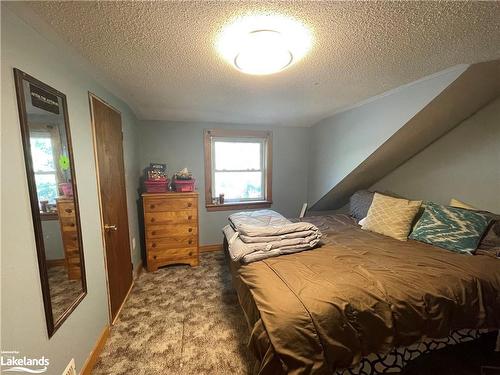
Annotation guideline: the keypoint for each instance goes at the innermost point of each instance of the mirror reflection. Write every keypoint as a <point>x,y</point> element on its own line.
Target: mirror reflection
<point>53,195</point>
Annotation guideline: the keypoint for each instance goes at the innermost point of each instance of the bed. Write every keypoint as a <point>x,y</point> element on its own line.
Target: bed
<point>363,303</point>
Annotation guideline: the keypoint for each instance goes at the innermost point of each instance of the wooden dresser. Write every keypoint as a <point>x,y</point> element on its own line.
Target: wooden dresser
<point>69,232</point>
<point>171,229</point>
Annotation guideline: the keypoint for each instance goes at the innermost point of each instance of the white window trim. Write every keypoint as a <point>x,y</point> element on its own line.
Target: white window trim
<point>262,169</point>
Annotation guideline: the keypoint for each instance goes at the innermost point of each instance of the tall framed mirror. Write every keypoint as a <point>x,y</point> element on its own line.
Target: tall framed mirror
<point>53,194</point>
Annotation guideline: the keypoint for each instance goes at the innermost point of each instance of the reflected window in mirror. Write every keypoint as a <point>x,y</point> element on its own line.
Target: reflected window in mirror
<point>44,166</point>
<point>53,194</point>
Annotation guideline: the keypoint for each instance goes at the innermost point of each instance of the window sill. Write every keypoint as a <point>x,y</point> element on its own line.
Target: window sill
<point>238,206</point>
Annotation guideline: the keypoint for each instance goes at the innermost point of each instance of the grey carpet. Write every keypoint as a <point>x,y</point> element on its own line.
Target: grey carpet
<point>180,320</point>
<point>63,291</point>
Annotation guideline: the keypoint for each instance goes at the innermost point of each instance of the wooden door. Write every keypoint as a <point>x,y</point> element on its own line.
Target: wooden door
<point>108,144</point>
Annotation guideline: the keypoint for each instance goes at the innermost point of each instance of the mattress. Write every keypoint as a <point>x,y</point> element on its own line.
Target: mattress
<point>359,296</point>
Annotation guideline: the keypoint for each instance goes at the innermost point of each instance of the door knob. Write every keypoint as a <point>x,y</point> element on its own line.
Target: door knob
<point>108,227</point>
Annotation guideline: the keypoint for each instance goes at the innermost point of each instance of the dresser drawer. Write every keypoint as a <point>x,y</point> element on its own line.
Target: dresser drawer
<point>74,273</point>
<point>170,217</point>
<point>68,224</point>
<point>171,255</point>
<point>171,242</point>
<point>170,204</point>
<point>160,231</point>
<point>74,261</point>
<point>70,239</point>
<point>66,210</point>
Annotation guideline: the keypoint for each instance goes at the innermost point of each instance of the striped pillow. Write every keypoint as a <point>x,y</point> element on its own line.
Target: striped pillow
<point>451,228</point>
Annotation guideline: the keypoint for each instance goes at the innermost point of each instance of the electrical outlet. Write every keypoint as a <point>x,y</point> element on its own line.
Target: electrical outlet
<point>70,369</point>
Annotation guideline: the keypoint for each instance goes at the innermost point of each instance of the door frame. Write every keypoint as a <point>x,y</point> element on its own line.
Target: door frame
<point>101,216</point>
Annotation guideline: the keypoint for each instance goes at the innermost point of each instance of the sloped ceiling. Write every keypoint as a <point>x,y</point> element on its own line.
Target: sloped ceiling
<point>161,57</point>
<point>471,91</point>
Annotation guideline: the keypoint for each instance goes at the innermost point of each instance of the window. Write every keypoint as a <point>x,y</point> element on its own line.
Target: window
<point>44,167</point>
<point>238,164</point>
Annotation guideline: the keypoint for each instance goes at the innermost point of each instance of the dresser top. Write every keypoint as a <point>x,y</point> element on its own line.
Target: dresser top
<point>170,194</point>
<point>64,199</point>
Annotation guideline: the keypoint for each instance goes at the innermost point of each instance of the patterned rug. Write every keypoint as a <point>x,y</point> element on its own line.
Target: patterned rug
<point>180,320</point>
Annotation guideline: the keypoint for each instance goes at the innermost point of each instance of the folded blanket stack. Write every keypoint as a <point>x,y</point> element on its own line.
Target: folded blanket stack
<point>262,234</point>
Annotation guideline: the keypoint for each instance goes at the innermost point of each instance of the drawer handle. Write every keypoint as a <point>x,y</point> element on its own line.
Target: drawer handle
<point>190,253</point>
<point>152,219</point>
<point>154,257</point>
<point>72,224</point>
<point>190,204</point>
<point>190,229</point>
<point>152,206</point>
<point>74,238</point>
<point>190,242</point>
<point>189,217</point>
<point>153,245</point>
<point>68,210</point>
<point>153,232</point>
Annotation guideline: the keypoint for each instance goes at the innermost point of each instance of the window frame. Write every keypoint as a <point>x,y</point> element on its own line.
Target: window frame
<point>263,136</point>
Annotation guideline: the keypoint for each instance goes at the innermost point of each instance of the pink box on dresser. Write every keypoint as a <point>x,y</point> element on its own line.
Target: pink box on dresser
<point>183,186</point>
<point>156,186</point>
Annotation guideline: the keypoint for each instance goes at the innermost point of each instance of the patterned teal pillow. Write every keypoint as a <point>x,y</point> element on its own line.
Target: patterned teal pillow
<point>451,228</point>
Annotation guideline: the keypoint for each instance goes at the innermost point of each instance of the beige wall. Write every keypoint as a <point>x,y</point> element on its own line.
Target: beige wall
<point>23,326</point>
<point>463,164</point>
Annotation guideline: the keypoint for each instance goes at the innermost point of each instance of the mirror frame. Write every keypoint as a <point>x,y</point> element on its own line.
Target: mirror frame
<point>52,325</point>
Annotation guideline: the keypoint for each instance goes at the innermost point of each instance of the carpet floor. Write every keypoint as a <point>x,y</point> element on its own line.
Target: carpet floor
<point>63,291</point>
<point>181,320</point>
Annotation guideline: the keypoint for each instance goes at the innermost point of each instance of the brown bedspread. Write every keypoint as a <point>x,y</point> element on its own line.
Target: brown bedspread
<point>360,293</point>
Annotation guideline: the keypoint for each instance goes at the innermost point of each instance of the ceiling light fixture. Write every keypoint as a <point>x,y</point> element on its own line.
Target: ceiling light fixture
<point>263,52</point>
<point>262,45</point>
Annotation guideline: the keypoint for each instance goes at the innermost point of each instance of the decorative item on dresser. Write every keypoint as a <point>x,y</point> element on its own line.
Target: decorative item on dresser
<point>67,220</point>
<point>171,229</point>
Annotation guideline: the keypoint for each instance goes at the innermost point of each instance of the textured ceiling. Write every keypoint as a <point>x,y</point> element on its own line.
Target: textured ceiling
<point>161,55</point>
